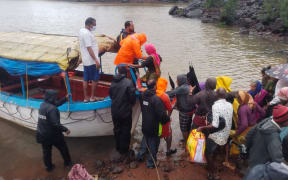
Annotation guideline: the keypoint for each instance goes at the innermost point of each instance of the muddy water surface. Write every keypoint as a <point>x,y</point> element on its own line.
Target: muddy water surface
<point>211,49</point>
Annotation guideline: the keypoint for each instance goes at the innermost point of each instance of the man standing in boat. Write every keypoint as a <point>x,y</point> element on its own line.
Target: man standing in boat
<point>130,49</point>
<point>123,95</point>
<point>90,59</point>
<point>129,29</point>
<point>50,131</point>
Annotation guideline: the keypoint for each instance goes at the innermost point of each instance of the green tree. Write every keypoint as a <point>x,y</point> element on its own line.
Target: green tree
<point>271,10</point>
<point>213,4</point>
<point>284,12</point>
<point>228,13</point>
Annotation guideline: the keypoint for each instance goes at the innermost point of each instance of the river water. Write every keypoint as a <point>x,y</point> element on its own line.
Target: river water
<point>213,50</point>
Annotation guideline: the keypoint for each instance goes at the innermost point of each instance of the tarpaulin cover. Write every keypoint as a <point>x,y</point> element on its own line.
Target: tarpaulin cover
<point>17,68</point>
<point>38,47</point>
<point>25,46</point>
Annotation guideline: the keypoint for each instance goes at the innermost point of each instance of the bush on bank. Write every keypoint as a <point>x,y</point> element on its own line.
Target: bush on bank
<point>211,4</point>
<point>273,10</point>
<point>284,12</point>
<point>228,12</point>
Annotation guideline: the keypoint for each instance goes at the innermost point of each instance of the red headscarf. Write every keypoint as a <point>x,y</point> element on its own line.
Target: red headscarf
<point>151,50</point>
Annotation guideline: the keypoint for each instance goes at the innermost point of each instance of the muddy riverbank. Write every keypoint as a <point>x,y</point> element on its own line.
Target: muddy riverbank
<point>23,159</point>
<point>213,51</point>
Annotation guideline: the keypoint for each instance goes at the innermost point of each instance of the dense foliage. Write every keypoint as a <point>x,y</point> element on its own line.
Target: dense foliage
<point>284,12</point>
<point>210,4</point>
<point>228,12</point>
<point>274,9</point>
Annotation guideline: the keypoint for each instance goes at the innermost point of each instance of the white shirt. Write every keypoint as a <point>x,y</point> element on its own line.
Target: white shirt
<point>87,39</point>
<point>279,85</point>
<point>224,109</point>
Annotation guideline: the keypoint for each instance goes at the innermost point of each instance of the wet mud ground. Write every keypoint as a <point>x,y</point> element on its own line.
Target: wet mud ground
<point>21,158</point>
<point>213,50</point>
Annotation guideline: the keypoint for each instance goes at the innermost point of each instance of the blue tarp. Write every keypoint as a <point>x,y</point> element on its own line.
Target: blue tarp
<point>18,68</point>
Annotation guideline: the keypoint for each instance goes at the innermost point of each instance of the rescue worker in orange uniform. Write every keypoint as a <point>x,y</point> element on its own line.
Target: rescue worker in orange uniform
<point>130,49</point>
<point>161,87</point>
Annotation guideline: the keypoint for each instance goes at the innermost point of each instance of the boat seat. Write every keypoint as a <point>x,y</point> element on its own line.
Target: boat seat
<point>16,86</point>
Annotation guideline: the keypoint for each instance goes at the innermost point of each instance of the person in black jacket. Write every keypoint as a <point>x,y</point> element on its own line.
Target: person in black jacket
<point>263,140</point>
<point>153,113</point>
<point>123,95</point>
<point>50,131</point>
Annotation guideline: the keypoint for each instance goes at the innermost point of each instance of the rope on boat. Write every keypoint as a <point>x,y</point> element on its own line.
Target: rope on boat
<point>31,116</point>
<point>22,118</point>
<point>27,87</point>
<point>13,114</point>
<point>68,100</point>
<point>154,162</point>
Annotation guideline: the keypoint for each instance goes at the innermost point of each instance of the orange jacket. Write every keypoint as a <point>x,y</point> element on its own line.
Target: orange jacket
<point>161,87</point>
<point>130,49</point>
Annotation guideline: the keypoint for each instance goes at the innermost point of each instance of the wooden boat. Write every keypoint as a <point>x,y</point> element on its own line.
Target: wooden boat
<point>31,63</point>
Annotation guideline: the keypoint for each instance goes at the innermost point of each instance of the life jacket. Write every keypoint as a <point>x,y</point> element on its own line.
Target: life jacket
<point>130,49</point>
<point>160,92</point>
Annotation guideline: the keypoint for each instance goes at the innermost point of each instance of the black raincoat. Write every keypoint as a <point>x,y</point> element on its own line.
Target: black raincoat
<point>153,113</point>
<point>264,144</point>
<point>49,127</point>
<point>123,96</point>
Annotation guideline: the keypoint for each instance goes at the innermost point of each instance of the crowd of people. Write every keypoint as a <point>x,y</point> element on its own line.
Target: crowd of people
<point>234,122</point>
<point>237,122</point>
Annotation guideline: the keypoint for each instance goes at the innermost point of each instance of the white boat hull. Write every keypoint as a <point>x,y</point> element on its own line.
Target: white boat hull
<point>80,123</point>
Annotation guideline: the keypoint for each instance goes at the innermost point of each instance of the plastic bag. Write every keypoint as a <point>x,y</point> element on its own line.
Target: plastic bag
<point>196,146</point>
<point>78,172</point>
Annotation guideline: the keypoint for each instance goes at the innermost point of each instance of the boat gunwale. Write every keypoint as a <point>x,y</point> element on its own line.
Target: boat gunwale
<point>66,107</point>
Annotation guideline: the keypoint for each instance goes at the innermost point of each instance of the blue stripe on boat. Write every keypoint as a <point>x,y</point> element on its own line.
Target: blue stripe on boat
<point>75,106</point>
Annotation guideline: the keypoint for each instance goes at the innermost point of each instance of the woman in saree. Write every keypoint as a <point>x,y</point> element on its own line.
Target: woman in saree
<point>249,113</point>
<point>152,63</point>
<point>258,93</point>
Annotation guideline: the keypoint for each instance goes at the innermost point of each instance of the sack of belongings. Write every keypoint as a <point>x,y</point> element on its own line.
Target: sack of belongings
<point>196,146</point>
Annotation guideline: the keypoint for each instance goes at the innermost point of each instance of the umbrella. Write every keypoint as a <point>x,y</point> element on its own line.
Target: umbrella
<point>192,79</point>
<point>278,72</point>
<point>171,82</point>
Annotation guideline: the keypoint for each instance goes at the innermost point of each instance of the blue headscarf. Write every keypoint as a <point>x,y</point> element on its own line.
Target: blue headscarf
<point>258,89</point>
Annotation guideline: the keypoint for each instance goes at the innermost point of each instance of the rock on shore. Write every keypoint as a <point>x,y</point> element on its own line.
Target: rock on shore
<point>193,10</point>
<point>249,16</point>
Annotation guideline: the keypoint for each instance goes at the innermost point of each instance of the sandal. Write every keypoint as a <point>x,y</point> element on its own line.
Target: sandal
<point>210,177</point>
<point>213,177</point>
<point>92,99</point>
<point>99,98</point>
<point>217,177</point>
<point>172,151</point>
<point>86,100</point>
